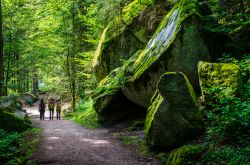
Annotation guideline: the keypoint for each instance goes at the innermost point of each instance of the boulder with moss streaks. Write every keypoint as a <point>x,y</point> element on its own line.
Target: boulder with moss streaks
<point>128,33</point>
<point>173,116</point>
<point>177,45</point>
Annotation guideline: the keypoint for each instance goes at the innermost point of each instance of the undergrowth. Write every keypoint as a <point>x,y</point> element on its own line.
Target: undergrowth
<point>85,115</point>
<point>227,136</point>
<point>16,148</point>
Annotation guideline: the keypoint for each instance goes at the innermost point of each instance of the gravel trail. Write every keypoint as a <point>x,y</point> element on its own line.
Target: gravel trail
<point>64,142</point>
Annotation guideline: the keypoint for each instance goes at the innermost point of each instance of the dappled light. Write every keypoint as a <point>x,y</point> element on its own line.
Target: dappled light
<point>95,142</point>
<point>124,82</point>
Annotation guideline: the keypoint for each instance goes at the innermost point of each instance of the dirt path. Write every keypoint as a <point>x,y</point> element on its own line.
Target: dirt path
<point>64,142</point>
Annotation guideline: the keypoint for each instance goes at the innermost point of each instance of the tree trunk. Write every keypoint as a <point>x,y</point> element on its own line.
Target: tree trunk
<point>35,86</point>
<point>2,90</point>
<point>8,64</point>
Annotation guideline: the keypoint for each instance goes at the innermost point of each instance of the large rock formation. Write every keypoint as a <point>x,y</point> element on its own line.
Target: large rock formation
<point>222,77</point>
<point>177,45</point>
<point>173,116</point>
<point>130,31</point>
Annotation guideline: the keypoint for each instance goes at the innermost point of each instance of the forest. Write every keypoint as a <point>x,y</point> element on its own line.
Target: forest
<point>151,81</point>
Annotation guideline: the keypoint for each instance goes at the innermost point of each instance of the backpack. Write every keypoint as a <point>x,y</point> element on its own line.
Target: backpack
<point>51,106</point>
<point>58,106</point>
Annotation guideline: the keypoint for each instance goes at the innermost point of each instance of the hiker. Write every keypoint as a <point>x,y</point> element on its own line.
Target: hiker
<point>58,109</point>
<point>51,107</point>
<point>42,109</point>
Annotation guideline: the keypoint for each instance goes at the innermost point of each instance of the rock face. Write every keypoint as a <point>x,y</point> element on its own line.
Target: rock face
<point>129,33</point>
<point>177,45</point>
<point>173,116</point>
<point>224,77</point>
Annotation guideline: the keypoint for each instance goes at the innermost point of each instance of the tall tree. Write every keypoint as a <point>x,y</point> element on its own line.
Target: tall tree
<point>1,55</point>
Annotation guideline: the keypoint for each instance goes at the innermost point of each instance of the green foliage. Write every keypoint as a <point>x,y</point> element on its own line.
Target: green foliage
<point>229,121</point>
<point>85,115</point>
<point>231,17</point>
<point>178,156</point>
<point>137,142</point>
<point>8,146</point>
<point>131,140</point>
<point>16,148</point>
<point>226,140</point>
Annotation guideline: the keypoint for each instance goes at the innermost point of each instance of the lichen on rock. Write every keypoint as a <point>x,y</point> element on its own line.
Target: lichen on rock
<point>173,116</point>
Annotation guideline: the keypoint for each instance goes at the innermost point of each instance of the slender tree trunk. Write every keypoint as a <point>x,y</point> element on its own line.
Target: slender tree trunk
<point>35,85</point>
<point>2,90</point>
<point>73,66</point>
<point>8,64</point>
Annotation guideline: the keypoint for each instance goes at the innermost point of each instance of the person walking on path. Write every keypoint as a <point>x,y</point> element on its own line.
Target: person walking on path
<point>51,108</point>
<point>58,109</point>
<point>42,109</point>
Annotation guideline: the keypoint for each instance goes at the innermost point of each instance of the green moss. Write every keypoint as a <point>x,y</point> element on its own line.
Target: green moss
<point>121,79</point>
<point>224,76</point>
<point>129,12</point>
<point>140,34</point>
<point>155,103</point>
<point>191,89</point>
<point>10,122</point>
<point>177,156</point>
<point>173,113</point>
<point>170,25</point>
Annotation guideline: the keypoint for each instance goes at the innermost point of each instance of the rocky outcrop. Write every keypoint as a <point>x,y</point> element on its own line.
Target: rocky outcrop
<point>30,98</point>
<point>173,116</point>
<point>13,116</point>
<point>177,45</point>
<point>222,77</point>
<point>129,32</point>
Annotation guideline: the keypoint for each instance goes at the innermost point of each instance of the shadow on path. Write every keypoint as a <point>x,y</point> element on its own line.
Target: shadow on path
<point>64,142</point>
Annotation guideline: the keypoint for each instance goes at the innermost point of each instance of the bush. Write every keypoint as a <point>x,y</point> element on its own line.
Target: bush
<point>16,148</point>
<point>85,115</point>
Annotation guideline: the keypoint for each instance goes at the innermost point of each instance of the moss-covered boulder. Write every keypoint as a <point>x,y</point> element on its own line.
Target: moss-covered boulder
<point>173,117</point>
<point>12,115</point>
<point>127,33</point>
<point>30,98</point>
<point>178,44</point>
<point>11,103</point>
<point>13,122</point>
<point>222,77</point>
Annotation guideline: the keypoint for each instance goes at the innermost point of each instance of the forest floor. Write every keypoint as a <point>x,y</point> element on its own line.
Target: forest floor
<point>64,142</point>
